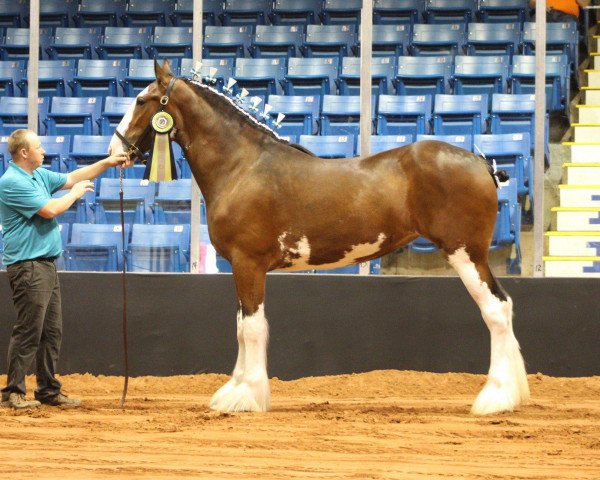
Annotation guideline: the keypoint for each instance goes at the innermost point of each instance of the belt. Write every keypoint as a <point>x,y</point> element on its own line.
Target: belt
<point>37,259</point>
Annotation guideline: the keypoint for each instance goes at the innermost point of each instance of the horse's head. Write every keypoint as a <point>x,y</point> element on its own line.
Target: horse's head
<point>134,133</point>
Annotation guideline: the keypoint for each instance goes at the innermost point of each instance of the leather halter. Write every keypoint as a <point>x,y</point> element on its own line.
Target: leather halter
<point>133,150</point>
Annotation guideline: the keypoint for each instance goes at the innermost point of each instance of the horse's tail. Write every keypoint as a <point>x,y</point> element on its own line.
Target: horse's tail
<point>497,175</point>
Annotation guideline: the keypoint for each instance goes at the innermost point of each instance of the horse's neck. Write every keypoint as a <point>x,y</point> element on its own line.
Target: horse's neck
<point>218,150</point>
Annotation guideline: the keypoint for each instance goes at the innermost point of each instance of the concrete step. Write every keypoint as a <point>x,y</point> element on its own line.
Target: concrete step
<point>581,173</point>
<point>588,114</point>
<point>586,132</point>
<point>577,219</point>
<point>579,195</point>
<point>593,78</point>
<point>584,152</point>
<point>573,244</point>
<point>572,267</point>
<point>595,63</point>
<point>591,95</point>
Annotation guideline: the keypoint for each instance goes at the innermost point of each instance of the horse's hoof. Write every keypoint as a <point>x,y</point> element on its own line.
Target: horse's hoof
<point>241,398</point>
<point>494,399</point>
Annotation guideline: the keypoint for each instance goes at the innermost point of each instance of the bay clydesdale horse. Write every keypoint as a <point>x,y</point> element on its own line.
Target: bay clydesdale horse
<point>273,205</point>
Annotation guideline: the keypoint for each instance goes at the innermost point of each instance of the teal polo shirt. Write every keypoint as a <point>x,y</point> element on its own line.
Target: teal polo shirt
<point>25,234</point>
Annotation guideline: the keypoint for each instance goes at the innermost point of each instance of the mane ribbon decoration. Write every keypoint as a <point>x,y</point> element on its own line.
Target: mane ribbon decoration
<point>161,167</point>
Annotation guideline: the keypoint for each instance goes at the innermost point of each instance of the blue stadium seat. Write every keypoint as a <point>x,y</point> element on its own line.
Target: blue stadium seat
<point>70,42</point>
<point>222,42</point>
<point>54,76</point>
<point>146,13</point>
<point>329,146</point>
<point>511,152</point>
<point>138,198</point>
<point>514,113</point>
<point>103,13</point>
<point>301,113</point>
<point>502,11</point>
<point>245,12</point>
<point>387,40</point>
<point>493,39</point>
<point>481,74</point>
<point>87,149</point>
<point>12,73</point>
<point>183,11</point>
<point>98,78</point>
<point>328,40</point>
<point>260,76</point>
<point>450,11</point>
<point>123,42</point>
<point>408,115</point>
<point>224,68</point>
<point>172,42</point>
<point>311,76</point>
<point>56,149</point>
<point>462,141</point>
<point>73,115</point>
<point>423,75</point>
<point>394,12</point>
<point>460,114</point>
<point>172,205</point>
<point>112,113</point>
<point>446,39</point>
<point>55,13</point>
<point>159,248</point>
<point>140,74</point>
<point>15,44</point>
<point>508,224</point>
<point>561,38</point>
<point>341,12</point>
<point>381,143</point>
<point>340,115</point>
<point>95,247</point>
<point>13,114</point>
<point>295,12</point>
<point>12,13</point>
<point>557,79</point>
<point>276,41</point>
<point>383,70</point>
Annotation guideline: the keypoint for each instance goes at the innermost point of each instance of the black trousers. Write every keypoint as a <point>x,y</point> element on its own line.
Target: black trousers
<point>38,330</point>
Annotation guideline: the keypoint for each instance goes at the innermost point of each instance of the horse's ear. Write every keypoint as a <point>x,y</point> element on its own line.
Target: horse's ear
<point>162,73</point>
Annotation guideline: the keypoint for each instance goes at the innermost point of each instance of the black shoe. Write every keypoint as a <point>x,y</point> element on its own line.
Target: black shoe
<point>18,401</point>
<point>61,400</point>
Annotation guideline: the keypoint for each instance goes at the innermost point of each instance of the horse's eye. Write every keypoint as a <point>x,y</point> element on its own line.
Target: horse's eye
<point>140,101</point>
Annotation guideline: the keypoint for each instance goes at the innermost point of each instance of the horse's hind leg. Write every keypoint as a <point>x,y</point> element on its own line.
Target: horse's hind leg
<point>506,387</point>
<point>248,389</point>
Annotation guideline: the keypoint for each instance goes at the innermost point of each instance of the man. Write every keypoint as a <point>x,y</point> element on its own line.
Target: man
<point>562,10</point>
<point>31,244</point>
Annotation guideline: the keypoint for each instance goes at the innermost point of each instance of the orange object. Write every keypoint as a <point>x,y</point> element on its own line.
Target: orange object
<point>567,6</point>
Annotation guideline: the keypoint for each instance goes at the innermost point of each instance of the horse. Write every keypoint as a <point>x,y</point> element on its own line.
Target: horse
<point>273,205</point>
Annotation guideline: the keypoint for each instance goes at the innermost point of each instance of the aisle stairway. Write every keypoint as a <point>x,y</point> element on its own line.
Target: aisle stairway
<point>574,248</point>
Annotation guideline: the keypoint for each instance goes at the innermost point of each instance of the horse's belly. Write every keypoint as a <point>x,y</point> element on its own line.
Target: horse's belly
<point>302,257</point>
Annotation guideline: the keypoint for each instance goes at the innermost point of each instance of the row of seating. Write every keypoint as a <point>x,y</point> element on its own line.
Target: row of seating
<point>306,76</point>
<point>243,12</point>
<point>288,41</point>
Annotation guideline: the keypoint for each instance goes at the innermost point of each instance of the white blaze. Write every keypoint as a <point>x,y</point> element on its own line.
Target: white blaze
<point>116,145</point>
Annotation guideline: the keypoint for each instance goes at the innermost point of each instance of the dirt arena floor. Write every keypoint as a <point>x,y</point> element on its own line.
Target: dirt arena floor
<point>378,425</point>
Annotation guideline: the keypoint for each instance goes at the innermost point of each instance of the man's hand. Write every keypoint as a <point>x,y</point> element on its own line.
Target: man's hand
<point>81,188</point>
<point>119,159</point>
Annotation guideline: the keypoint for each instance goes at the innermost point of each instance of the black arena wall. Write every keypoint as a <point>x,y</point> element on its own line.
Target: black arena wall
<point>319,324</point>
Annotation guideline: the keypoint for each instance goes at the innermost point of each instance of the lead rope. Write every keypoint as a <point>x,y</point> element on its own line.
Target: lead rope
<point>124,282</point>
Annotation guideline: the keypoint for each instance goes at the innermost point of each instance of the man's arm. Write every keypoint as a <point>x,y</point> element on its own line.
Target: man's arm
<point>55,206</point>
<point>92,171</point>
<point>583,3</point>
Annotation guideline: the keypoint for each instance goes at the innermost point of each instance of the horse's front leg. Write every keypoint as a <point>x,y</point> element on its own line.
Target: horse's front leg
<point>248,389</point>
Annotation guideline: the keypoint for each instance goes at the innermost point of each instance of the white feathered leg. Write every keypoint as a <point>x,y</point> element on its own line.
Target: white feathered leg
<point>506,387</point>
<point>248,390</point>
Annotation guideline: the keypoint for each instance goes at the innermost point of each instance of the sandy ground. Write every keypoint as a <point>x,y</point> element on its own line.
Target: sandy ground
<point>378,425</point>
